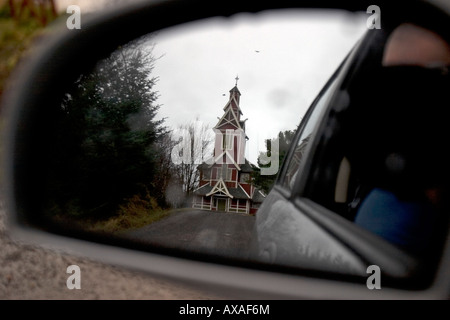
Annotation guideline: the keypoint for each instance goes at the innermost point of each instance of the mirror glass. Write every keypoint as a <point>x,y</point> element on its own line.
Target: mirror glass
<point>165,141</point>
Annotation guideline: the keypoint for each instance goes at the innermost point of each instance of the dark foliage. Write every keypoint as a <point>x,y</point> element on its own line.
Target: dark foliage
<point>265,182</point>
<point>107,139</point>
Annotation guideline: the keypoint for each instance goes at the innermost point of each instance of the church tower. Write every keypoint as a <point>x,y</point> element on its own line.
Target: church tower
<point>230,131</point>
<point>225,179</point>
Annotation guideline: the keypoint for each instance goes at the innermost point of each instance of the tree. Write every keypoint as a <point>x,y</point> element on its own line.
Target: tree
<point>167,190</point>
<point>265,182</point>
<point>194,144</point>
<point>106,142</point>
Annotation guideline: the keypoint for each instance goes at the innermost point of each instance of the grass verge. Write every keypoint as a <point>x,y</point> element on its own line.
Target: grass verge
<point>125,222</point>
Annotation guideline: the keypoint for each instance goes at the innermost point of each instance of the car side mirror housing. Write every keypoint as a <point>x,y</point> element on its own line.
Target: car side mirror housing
<point>32,106</point>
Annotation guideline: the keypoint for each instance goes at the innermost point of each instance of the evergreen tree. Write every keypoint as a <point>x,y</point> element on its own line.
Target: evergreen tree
<point>265,182</point>
<point>106,146</point>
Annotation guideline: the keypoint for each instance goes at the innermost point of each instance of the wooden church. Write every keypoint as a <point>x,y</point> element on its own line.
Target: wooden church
<point>225,179</point>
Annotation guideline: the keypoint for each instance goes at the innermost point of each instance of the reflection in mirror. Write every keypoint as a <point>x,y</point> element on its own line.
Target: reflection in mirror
<point>164,141</point>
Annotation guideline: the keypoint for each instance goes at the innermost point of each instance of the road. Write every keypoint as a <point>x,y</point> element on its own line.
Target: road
<point>220,233</point>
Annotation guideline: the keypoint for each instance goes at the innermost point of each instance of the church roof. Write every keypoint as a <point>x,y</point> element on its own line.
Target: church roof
<point>235,89</point>
<point>203,190</point>
<point>220,187</point>
<point>258,196</point>
<point>235,193</point>
<point>248,166</point>
<point>229,117</point>
<point>239,193</point>
<point>232,110</point>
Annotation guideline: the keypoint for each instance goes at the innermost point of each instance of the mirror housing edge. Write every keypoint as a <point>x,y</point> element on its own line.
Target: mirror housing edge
<point>61,57</point>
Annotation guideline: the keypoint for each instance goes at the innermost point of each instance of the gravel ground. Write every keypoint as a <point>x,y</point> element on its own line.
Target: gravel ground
<point>32,273</point>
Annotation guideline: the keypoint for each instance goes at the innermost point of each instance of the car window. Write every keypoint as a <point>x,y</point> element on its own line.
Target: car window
<point>309,124</point>
<point>384,167</point>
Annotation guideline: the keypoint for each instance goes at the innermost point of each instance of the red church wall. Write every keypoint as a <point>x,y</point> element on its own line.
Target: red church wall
<point>230,184</point>
<point>227,126</point>
<point>234,175</point>
<point>246,187</point>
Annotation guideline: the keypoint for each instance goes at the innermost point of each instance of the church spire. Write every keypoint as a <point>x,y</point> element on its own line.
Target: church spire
<point>234,92</point>
<point>231,118</point>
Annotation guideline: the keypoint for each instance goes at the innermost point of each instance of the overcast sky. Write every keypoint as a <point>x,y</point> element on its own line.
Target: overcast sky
<point>282,61</point>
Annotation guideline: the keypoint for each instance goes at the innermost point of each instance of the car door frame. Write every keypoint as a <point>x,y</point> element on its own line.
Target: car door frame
<point>399,268</point>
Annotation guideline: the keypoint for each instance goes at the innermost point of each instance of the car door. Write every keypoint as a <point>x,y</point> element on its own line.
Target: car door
<point>285,233</point>
<point>308,219</point>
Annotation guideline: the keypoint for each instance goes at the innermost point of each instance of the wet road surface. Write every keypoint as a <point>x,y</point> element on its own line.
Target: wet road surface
<point>220,233</point>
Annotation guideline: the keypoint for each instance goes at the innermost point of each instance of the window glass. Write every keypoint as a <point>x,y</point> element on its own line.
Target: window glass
<point>294,168</point>
<point>227,143</point>
<point>245,177</point>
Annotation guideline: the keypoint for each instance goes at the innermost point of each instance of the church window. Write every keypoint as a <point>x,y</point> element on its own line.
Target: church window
<point>245,178</point>
<point>227,143</point>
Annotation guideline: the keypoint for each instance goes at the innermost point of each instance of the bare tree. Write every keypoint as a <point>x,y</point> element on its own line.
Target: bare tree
<point>166,171</point>
<point>195,144</point>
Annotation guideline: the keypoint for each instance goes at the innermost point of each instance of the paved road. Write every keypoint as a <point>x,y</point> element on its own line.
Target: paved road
<point>221,233</point>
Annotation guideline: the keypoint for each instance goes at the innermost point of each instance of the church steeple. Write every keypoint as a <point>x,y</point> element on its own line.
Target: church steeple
<point>234,92</point>
<point>231,118</point>
<point>230,129</point>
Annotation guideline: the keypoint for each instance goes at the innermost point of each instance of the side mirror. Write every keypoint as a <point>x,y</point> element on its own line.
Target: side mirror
<point>90,141</point>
